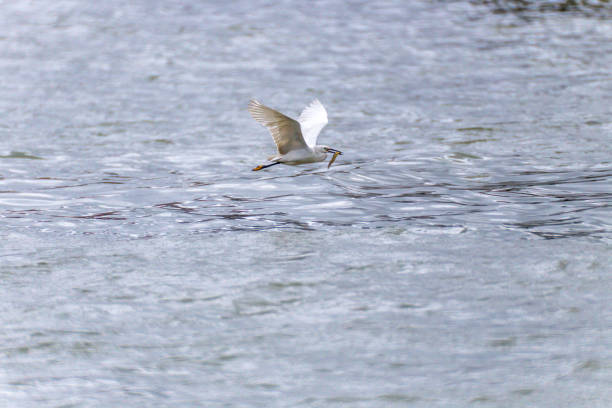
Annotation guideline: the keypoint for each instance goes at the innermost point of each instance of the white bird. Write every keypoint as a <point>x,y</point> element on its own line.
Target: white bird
<point>296,140</point>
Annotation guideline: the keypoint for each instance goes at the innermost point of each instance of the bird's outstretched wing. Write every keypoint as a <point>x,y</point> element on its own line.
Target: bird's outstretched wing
<point>286,132</point>
<point>312,120</point>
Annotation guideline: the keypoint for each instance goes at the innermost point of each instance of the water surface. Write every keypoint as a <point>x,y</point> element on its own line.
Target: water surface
<point>457,254</point>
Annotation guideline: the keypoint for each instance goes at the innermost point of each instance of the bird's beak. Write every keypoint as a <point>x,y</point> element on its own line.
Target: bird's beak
<point>334,151</point>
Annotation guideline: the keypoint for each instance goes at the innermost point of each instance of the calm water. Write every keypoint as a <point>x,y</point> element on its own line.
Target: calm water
<point>458,253</point>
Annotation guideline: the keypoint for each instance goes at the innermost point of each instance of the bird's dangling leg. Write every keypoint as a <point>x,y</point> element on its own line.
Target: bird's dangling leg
<point>261,166</point>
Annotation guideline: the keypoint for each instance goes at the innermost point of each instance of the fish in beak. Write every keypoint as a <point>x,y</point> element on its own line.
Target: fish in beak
<point>333,159</point>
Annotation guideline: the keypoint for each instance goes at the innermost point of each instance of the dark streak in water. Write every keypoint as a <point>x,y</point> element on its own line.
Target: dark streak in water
<point>21,155</point>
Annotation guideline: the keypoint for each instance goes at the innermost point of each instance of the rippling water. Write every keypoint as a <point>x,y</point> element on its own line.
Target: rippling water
<point>457,254</point>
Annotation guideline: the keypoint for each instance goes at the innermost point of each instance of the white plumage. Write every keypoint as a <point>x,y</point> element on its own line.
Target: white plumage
<point>312,120</point>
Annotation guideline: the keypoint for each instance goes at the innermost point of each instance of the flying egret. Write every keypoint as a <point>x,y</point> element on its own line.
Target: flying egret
<point>296,140</point>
